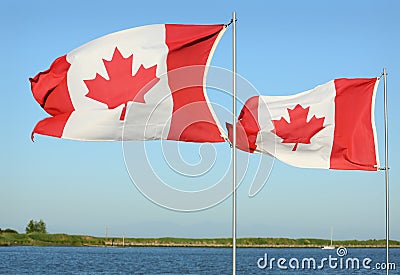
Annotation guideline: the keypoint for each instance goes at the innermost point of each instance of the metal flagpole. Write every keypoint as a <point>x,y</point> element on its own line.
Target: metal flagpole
<point>386,167</point>
<point>234,143</point>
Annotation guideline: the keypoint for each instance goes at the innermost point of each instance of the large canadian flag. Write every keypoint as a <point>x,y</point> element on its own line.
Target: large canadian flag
<point>138,84</point>
<point>331,126</point>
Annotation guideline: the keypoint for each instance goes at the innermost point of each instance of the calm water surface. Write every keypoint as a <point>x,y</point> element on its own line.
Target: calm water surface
<point>159,260</point>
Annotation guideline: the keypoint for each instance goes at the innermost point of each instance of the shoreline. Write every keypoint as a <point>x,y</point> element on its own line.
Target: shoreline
<point>44,239</point>
<point>196,246</point>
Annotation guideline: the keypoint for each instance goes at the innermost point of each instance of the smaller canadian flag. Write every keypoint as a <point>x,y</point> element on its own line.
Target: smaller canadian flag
<point>331,126</point>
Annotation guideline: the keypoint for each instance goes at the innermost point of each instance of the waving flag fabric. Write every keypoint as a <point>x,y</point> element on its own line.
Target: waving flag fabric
<point>157,72</point>
<point>331,126</point>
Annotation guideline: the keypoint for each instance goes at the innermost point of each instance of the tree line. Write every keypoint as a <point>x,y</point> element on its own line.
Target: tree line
<point>32,227</point>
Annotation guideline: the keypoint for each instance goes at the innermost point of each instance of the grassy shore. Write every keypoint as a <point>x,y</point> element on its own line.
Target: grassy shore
<point>40,239</point>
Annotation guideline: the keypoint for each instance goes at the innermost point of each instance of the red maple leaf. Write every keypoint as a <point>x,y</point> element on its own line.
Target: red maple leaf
<point>298,130</point>
<point>122,86</point>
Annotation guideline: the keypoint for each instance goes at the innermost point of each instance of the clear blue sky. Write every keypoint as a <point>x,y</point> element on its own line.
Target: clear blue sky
<point>284,47</point>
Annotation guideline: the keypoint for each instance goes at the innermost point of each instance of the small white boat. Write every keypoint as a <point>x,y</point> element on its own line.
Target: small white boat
<point>331,246</point>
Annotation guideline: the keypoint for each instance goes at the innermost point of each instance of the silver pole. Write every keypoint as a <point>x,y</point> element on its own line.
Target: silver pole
<point>234,143</point>
<point>386,166</point>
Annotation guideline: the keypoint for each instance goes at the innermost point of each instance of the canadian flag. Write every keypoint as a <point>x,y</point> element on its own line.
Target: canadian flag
<point>137,84</point>
<point>331,126</point>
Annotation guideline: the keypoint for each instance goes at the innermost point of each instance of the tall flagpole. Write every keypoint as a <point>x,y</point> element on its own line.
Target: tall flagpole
<point>234,143</point>
<point>386,166</point>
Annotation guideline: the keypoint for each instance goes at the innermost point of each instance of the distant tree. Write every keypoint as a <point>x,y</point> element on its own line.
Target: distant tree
<point>9,230</point>
<point>36,226</point>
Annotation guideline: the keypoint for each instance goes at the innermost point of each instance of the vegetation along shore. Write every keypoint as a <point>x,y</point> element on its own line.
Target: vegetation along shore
<point>44,239</point>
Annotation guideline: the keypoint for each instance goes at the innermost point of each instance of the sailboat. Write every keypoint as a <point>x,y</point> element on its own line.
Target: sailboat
<point>331,246</point>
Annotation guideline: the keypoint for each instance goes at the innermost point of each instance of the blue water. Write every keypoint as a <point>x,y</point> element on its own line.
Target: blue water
<point>159,260</point>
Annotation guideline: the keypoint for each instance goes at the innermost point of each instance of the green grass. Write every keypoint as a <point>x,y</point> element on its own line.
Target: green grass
<point>42,239</point>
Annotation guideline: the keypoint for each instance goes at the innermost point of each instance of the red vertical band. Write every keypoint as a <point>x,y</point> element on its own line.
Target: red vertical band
<point>190,45</point>
<point>354,142</point>
<point>247,127</point>
<point>50,90</point>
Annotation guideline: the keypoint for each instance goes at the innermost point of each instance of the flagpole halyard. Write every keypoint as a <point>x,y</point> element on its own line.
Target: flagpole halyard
<point>234,143</point>
<point>386,166</point>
